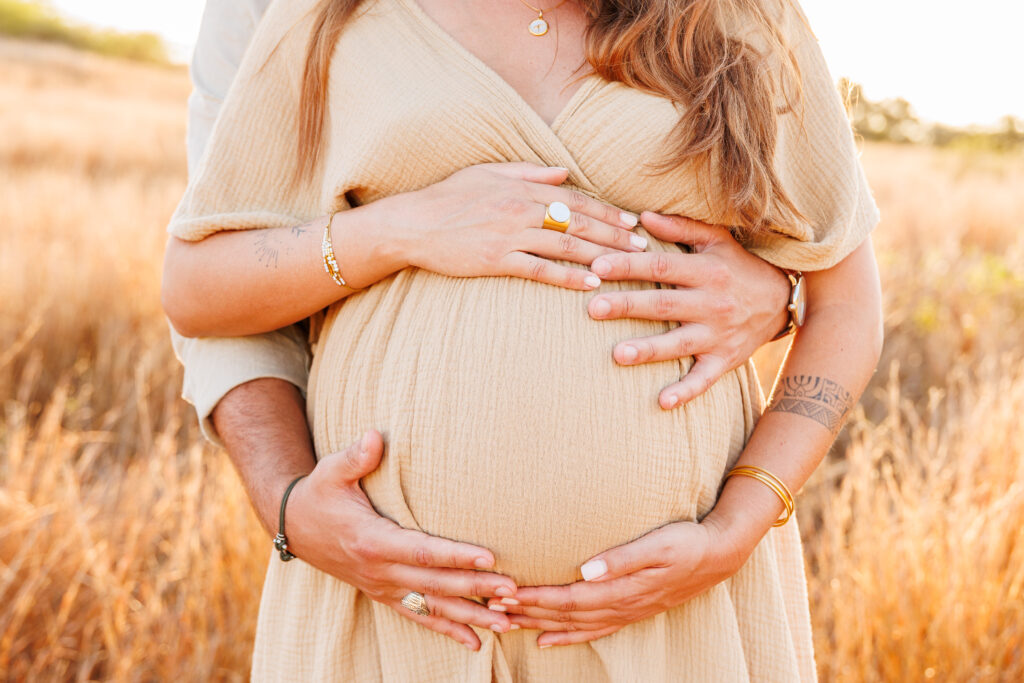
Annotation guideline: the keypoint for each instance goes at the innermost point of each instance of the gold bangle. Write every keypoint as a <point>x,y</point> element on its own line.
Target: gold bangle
<point>327,249</point>
<point>771,481</point>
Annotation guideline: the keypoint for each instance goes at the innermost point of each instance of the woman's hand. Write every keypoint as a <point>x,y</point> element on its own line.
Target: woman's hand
<point>332,526</point>
<point>650,575</point>
<point>486,220</point>
<point>728,302</point>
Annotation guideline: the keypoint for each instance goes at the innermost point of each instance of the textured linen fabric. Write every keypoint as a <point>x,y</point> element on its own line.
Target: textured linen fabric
<point>506,422</point>
<point>216,365</point>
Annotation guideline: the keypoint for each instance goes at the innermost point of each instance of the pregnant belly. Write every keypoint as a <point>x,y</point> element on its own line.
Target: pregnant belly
<point>507,423</point>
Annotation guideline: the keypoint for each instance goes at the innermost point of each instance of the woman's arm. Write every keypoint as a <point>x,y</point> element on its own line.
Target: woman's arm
<point>481,220</point>
<point>244,282</point>
<point>829,364</point>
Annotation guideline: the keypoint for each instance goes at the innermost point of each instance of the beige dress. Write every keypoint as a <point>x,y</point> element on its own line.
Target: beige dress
<point>507,423</point>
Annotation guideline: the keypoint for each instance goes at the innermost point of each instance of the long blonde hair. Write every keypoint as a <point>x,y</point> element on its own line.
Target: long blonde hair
<point>731,92</point>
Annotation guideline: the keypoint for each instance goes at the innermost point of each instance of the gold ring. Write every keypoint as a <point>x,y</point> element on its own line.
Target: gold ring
<point>557,217</point>
<point>415,602</point>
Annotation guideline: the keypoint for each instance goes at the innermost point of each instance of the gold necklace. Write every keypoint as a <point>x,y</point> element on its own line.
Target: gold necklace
<point>539,26</point>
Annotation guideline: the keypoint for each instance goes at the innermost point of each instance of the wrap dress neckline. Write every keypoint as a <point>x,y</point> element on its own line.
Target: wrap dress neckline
<point>545,136</point>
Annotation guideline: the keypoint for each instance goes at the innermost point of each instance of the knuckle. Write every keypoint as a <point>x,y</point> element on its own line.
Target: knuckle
<point>364,548</point>
<point>431,586</point>
<point>480,588</point>
<point>683,347</point>
<point>577,201</point>
<point>512,205</point>
<point>423,557</point>
<point>664,303</point>
<point>567,244</point>
<point>567,605</point>
<point>659,265</point>
<point>718,275</point>
<point>538,269</point>
<point>724,306</point>
<point>626,305</point>
<point>578,223</point>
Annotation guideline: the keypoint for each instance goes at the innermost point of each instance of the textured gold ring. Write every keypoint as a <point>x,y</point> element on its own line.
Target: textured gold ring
<point>415,602</point>
<point>557,217</point>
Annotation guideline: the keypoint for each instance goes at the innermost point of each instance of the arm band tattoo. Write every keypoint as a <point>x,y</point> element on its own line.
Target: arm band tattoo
<point>818,398</point>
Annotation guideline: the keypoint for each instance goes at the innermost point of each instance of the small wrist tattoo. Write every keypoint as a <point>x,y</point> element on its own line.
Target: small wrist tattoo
<point>818,398</point>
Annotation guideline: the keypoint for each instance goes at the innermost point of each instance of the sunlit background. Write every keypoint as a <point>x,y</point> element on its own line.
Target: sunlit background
<point>956,62</point>
<point>128,550</point>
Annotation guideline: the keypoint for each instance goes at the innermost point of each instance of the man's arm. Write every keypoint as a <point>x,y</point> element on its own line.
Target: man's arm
<point>253,388</point>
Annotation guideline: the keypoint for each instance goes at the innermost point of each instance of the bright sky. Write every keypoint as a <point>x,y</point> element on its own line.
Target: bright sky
<point>956,62</point>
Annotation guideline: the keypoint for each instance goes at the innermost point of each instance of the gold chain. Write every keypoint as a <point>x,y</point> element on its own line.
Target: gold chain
<point>539,11</point>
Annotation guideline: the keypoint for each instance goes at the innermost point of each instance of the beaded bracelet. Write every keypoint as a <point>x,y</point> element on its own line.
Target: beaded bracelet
<point>327,249</point>
<point>281,541</point>
<point>771,481</point>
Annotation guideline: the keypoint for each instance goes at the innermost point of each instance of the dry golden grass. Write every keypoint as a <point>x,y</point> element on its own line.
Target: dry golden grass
<point>127,549</point>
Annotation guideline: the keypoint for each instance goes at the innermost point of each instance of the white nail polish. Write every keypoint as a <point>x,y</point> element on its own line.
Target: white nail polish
<point>672,401</point>
<point>497,629</point>
<point>629,353</point>
<point>543,646</point>
<point>510,601</point>
<point>592,281</point>
<point>497,608</point>
<point>594,569</point>
<point>514,627</point>
<point>628,218</point>
<point>638,241</point>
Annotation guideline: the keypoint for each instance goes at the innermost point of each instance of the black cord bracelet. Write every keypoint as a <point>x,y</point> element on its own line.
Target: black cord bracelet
<point>280,541</point>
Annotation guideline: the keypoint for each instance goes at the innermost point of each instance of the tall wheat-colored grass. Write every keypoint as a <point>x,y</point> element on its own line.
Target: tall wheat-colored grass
<point>127,548</point>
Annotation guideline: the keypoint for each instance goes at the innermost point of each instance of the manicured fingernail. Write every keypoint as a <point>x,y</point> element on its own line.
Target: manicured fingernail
<point>514,627</point>
<point>638,241</point>
<point>504,592</point>
<point>481,563</point>
<point>672,401</point>
<point>601,307</point>
<point>592,281</point>
<point>543,646</point>
<point>495,607</point>
<point>559,168</point>
<point>510,601</point>
<point>471,646</point>
<point>628,218</point>
<point>629,354</point>
<point>601,267</point>
<point>497,628</point>
<point>594,569</point>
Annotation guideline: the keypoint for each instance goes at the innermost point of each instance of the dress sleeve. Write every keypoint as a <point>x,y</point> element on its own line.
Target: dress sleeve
<point>244,178</point>
<point>215,366</point>
<point>819,167</point>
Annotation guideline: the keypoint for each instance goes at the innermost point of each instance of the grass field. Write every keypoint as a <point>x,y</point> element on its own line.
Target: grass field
<point>127,549</point>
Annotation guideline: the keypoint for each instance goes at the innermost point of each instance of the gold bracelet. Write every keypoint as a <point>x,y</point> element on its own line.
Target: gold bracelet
<point>771,481</point>
<point>331,263</point>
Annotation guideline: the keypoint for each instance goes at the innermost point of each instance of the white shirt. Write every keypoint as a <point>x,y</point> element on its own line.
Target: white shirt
<point>215,366</point>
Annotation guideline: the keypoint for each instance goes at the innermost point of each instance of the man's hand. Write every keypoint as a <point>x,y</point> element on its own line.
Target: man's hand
<point>330,523</point>
<point>332,526</point>
<point>728,302</point>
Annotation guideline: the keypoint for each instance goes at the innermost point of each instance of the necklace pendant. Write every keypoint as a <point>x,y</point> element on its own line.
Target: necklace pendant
<point>539,26</point>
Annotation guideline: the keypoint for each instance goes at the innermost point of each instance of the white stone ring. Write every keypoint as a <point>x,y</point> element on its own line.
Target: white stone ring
<point>415,602</point>
<point>557,217</point>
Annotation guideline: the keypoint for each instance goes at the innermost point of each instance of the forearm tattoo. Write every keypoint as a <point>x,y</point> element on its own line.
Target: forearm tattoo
<point>818,398</point>
<point>269,244</point>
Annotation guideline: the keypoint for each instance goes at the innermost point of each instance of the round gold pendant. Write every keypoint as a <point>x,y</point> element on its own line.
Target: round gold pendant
<point>538,27</point>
